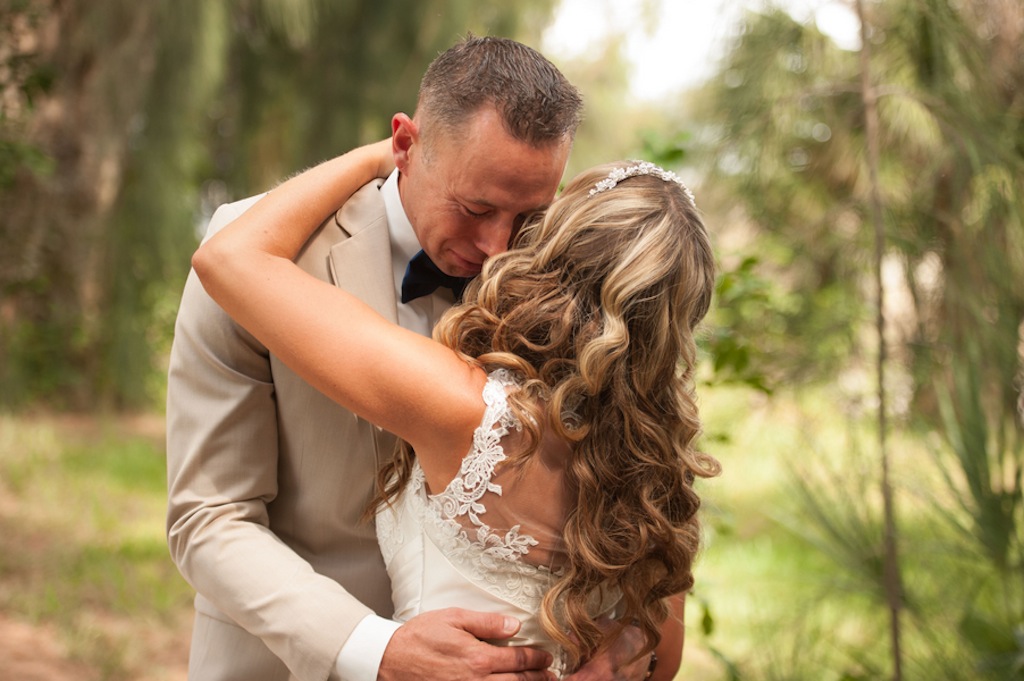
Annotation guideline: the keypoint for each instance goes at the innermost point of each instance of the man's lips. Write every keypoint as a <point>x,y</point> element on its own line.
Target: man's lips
<point>464,264</point>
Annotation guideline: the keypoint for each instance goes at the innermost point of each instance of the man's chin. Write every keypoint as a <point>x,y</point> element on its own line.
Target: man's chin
<point>458,267</point>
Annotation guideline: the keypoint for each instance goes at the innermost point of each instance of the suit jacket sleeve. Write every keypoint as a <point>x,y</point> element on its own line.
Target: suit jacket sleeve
<point>222,472</point>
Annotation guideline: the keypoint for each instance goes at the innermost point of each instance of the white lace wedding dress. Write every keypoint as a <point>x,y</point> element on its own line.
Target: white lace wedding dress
<point>491,541</point>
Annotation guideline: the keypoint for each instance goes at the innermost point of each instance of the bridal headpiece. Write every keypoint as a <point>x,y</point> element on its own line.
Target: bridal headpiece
<point>640,168</point>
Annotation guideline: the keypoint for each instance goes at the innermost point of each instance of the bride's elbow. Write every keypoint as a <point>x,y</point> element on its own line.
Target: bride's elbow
<point>204,262</point>
<point>200,260</point>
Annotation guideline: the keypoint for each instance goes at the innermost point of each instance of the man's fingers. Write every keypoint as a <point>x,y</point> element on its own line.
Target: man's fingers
<point>524,676</point>
<point>521,660</point>
<point>484,625</point>
<point>514,662</point>
<point>451,644</point>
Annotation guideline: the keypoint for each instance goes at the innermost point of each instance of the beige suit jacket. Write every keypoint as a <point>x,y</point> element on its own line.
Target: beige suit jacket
<point>268,479</point>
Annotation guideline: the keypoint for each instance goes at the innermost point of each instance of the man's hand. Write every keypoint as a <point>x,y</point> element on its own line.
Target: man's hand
<point>618,661</point>
<point>445,645</point>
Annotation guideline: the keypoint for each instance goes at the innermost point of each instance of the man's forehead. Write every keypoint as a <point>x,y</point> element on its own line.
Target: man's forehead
<point>496,179</point>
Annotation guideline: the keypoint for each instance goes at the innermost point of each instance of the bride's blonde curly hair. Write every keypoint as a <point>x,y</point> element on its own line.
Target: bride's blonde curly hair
<point>595,307</point>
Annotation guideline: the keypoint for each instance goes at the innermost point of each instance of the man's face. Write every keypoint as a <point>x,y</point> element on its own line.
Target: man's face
<point>468,192</point>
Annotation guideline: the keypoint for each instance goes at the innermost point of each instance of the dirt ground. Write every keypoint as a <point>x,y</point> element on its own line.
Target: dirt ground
<point>32,653</point>
<point>38,651</point>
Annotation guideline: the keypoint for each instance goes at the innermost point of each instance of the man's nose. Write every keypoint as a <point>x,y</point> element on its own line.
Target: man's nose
<point>493,237</point>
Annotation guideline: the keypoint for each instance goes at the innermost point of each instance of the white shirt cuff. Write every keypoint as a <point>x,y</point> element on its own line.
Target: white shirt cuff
<point>359,659</point>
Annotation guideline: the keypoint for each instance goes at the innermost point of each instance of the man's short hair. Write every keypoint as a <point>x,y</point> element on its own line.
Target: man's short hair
<point>538,105</point>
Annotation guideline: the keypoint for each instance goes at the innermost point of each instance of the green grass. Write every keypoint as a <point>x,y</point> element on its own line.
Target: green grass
<point>82,543</point>
<point>793,588</point>
<point>778,596</point>
<point>751,564</point>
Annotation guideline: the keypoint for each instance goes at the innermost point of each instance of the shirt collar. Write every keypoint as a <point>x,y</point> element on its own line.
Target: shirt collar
<point>404,244</point>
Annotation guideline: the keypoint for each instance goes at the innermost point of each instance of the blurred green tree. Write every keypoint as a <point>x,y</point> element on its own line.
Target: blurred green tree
<point>125,123</point>
<point>782,128</point>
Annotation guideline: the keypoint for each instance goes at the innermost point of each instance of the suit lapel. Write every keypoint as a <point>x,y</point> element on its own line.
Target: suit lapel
<point>361,263</point>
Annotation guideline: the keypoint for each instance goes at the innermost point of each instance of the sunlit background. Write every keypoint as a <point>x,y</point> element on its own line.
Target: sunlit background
<point>673,46</point>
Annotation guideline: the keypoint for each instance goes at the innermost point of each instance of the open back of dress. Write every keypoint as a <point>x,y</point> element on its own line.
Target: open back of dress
<point>492,539</point>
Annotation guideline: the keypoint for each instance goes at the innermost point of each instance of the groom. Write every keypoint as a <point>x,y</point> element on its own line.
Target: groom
<point>268,479</point>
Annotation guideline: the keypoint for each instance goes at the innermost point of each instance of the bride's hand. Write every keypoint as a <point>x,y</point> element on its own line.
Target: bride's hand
<point>385,157</point>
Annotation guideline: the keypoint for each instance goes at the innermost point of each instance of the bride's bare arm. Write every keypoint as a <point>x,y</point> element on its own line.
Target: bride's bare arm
<point>283,221</point>
<point>403,382</point>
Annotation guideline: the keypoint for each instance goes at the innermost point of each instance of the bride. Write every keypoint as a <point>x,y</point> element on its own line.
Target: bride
<point>549,428</point>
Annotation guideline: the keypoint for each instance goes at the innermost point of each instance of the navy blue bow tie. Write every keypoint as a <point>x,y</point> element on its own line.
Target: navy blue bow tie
<point>422,277</point>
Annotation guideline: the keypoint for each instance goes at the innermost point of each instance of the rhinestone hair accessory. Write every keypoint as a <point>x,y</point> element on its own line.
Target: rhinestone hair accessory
<point>640,168</point>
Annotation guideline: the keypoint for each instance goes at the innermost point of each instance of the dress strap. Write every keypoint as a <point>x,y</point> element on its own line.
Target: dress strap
<point>463,494</point>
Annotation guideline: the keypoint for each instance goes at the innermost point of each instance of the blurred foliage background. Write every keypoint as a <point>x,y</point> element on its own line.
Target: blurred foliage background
<point>124,124</point>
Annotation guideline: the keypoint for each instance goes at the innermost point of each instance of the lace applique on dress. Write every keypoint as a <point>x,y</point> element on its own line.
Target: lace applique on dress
<point>491,559</point>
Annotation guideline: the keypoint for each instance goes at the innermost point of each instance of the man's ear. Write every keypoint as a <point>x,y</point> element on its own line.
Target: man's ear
<point>405,134</point>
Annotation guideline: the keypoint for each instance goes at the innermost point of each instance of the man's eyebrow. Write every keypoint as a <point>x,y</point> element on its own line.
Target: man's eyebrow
<point>476,202</point>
